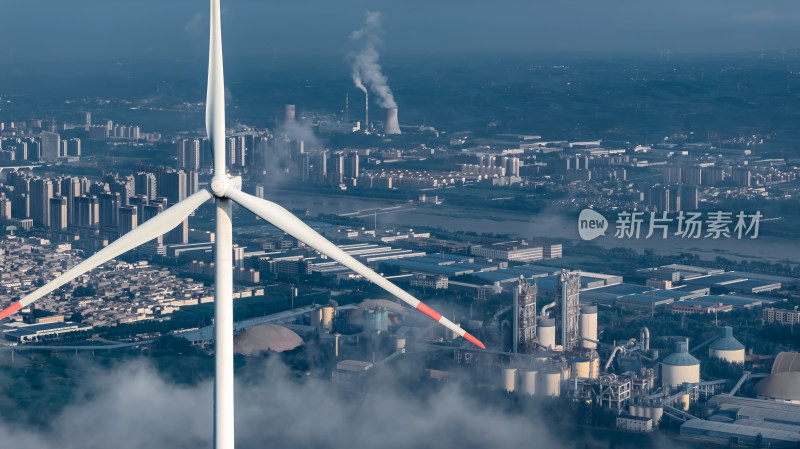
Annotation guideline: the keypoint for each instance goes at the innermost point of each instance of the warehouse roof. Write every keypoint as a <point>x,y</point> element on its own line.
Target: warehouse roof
<point>737,429</point>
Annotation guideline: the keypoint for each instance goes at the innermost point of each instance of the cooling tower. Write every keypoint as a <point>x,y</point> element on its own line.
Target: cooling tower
<point>392,126</point>
<point>289,114</point>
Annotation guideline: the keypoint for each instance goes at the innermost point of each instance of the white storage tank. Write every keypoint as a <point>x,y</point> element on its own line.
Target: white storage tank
<point>549,383</point>
<point>727,348</point>
<point>588,327</point>
<point>581,368</point>
<point>680,367</point>
<point>656,413</point>
<point>529,382</point>
<point>546,332</point>
<point>509,379</point>
<point>328,313</point>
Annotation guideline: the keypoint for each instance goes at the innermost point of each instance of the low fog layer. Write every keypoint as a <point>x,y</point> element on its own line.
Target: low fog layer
<point>133,407</point>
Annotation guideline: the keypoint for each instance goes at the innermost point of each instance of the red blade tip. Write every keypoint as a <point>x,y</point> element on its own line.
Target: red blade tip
<point>474,340</point>
<point>10,310</point>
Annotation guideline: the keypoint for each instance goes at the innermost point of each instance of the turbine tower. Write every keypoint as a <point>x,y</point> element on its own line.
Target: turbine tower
<point>225,189</point>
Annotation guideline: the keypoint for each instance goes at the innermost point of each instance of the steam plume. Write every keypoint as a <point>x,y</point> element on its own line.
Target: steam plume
<point>366,69</point>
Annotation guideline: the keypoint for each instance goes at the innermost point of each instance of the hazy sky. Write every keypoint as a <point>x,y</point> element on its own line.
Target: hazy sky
<point>114,29</point>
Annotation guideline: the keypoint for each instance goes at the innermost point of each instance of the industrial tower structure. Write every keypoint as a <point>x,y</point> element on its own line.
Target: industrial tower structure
<point>569,287</point>
<point>524,316</point>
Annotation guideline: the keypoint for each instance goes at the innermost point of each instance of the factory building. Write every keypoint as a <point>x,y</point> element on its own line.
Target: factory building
<point>37,332</point>
<point>516,251</point>
<point>634,423</point>
<point>425,281</point>
<point>726,433</point>
<point>350,373</point>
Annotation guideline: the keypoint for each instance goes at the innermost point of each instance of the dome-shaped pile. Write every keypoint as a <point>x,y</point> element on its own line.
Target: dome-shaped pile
<point>784,382</point>
<point>266,337</point>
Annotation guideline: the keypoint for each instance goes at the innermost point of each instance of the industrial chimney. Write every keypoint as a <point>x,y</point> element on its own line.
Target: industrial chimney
<point>391,126</point>
<point>289,115</point>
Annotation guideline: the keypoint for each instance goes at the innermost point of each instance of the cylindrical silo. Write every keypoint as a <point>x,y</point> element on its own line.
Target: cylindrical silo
<point>680,367</point>
<point>656,413</point>
<point>683,402</point>
<point>383,316</point>
<point>529,382</point>
<point>588,326</point>
<point>546,332</point>
<point>727,347</point>
<point>392,125</point>
<point>549,383</point>
<point>509,379</point>
<point>327,317</point>
<point>581,368</point>
<point>372,321</point>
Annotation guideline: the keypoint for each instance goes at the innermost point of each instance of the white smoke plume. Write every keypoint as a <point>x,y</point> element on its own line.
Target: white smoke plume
<point>131,406</point>
<point>366,69</point>
<point>357,80</point>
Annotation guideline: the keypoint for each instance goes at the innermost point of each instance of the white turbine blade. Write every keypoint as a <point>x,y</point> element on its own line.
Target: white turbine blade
<point>288,223</point>
<point>149,230</point>
<point>215,94</point>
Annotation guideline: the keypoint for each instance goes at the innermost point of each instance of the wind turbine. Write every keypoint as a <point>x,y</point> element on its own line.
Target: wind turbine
<point>225,189</point>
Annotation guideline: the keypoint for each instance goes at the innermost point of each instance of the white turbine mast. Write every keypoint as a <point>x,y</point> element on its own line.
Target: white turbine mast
<point>226,189</point>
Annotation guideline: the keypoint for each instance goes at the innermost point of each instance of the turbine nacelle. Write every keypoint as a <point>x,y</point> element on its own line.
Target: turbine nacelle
<point>220,185</point>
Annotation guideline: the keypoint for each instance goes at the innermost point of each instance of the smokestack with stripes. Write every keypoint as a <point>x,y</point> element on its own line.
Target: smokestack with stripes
<point>392,126</point>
